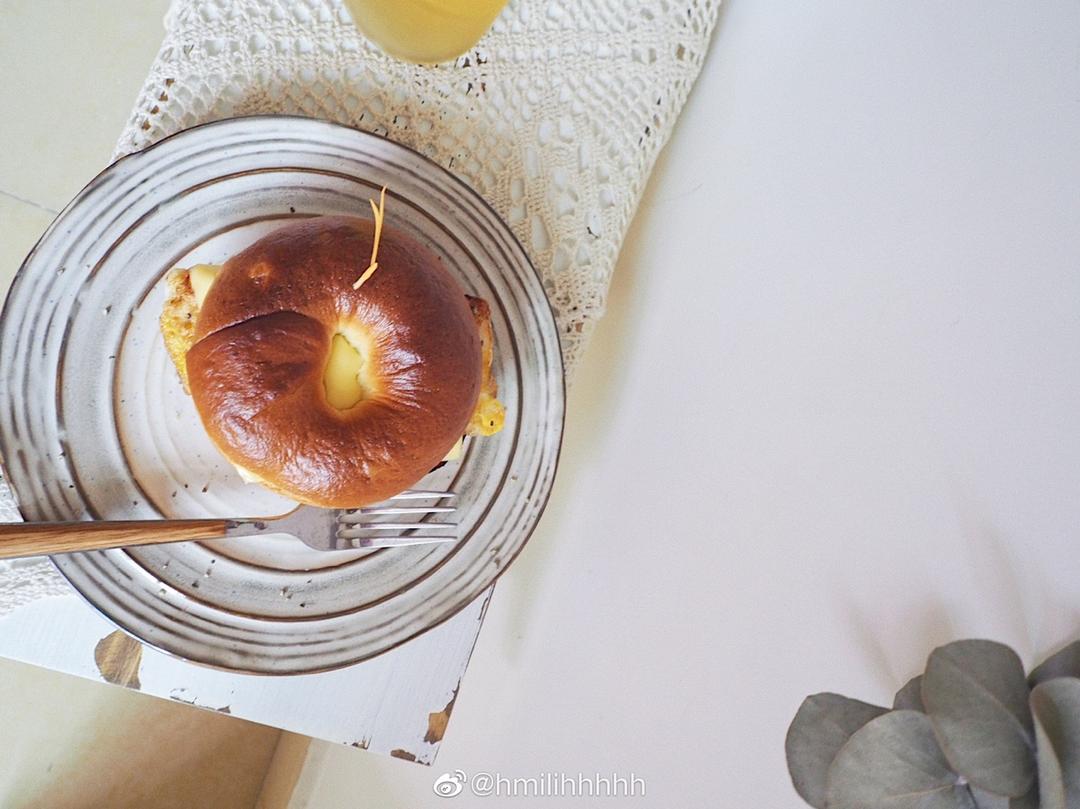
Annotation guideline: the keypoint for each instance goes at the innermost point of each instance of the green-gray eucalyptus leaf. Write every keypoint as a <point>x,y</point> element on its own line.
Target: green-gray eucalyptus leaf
<point>895,761</point>
<point>1051,780</point>
<point>976,695</point>
<point>1029,801</point>
<point>1056,706</point>
<point>909,698</point>
<point>988,800</point>
<point>1065,663</point>
<point>822,726</point>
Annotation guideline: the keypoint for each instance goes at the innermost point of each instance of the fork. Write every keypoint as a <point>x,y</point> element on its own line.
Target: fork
<point>319,528</point>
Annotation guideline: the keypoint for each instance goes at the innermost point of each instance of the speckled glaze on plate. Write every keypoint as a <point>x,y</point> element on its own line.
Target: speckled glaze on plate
<point>94,423</point>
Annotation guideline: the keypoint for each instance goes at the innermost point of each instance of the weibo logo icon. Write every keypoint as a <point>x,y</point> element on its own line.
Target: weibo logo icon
<point>449,784</point>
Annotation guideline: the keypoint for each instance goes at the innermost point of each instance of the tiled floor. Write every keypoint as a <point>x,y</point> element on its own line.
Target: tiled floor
<point>72,744</point>
<point>71,72</point>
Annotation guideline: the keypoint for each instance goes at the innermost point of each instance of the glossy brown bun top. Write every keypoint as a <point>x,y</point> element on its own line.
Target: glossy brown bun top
<point>263,339</point>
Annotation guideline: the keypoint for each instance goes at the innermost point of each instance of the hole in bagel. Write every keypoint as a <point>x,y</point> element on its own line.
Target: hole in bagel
<point>347,377</point>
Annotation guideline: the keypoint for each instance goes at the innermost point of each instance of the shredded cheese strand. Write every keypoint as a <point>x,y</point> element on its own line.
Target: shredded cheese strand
<point>379,211</point>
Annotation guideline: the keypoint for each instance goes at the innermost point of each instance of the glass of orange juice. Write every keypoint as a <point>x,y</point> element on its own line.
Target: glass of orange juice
<point>425,30</point>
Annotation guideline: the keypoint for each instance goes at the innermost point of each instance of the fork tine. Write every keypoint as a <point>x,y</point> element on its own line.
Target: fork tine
<point>396,526</point>
<point>417,494</point>
<point>398,542</point>
<point>404,510</point>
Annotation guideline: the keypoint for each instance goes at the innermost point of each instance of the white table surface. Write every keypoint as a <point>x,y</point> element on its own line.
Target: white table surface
<point>829,422</point>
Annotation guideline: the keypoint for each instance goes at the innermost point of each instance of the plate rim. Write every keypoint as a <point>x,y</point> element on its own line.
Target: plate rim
<point>560,388</point>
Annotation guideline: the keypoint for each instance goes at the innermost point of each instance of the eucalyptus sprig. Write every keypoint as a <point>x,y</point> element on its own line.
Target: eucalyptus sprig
<point>970,732</point>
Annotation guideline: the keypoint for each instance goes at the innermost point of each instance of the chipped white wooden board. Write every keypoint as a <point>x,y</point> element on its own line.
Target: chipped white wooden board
<point>383,705</point>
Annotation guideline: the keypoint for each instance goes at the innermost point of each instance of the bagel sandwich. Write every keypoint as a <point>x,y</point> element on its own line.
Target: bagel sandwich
<point>332,379</point>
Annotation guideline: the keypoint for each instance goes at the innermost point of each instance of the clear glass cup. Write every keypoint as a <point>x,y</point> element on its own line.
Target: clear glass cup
<point>425,30</point>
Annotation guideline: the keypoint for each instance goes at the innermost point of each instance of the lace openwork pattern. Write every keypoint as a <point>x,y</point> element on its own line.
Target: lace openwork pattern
<point>555,118</point>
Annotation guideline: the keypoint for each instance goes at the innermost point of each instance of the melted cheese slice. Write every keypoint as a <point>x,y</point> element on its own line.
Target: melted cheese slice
<point>455,451</point>
<point>343,377</point>
<point>202,277</point>
<point>247,476</point>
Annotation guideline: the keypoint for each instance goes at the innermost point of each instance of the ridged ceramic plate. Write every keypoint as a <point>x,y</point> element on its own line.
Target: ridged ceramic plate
<point>94,423</point>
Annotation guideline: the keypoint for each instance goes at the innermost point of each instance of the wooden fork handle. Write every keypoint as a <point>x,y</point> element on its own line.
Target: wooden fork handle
<point>42,538</point>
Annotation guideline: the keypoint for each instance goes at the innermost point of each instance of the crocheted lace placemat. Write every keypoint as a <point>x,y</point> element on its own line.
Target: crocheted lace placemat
<point>556,118</point>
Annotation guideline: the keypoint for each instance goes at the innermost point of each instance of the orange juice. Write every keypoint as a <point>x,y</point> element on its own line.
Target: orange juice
<point>424,30</point>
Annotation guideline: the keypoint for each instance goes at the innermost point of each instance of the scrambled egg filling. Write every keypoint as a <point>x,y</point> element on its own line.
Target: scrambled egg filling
<point>490,415</point>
